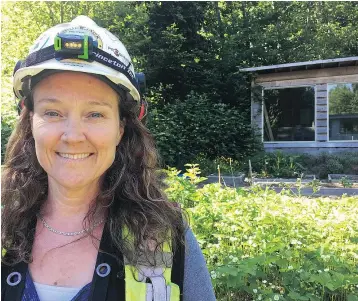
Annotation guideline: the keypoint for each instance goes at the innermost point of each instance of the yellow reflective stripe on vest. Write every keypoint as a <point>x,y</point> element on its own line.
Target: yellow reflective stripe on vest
<point>174,292</point>
<point>167,275</point>
<point>134,290</point>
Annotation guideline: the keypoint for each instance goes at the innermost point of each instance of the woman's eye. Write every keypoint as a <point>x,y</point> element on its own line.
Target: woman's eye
<point>52,114</point>
<point>96,115</point>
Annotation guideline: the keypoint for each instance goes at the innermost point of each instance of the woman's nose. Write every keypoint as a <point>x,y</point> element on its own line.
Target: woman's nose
<point>73,131</point>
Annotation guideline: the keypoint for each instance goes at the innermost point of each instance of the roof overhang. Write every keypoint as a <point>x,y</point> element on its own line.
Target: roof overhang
<point>309,65</point>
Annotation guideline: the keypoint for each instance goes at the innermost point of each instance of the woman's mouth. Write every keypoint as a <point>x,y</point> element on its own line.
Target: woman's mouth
<point>78,156</point>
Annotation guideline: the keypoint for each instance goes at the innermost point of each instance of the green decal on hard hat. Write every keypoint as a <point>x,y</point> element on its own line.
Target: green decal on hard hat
<point>85,49</point>
<point>57,43</point>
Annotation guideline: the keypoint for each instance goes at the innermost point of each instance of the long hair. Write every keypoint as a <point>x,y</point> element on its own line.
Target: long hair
<point>131,189</point>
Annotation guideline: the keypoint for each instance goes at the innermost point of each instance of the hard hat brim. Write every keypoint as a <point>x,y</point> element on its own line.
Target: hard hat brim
<point>75,65</point>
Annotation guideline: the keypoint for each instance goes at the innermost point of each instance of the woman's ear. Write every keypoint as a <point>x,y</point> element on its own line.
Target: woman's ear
<point>121,130</point>
<point>31,115</point>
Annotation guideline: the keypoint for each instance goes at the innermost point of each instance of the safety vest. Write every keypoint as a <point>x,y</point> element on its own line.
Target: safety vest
<point>113,278</point>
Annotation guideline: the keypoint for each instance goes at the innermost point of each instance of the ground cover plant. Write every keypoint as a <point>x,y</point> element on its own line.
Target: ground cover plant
<point>283,165</point>
<point>260,245</point>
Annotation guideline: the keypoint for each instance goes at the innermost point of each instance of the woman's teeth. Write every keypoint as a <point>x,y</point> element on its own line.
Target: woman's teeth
<point>75,157</point>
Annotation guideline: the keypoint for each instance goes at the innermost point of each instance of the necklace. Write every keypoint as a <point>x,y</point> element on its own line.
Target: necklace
<point>68,233</point>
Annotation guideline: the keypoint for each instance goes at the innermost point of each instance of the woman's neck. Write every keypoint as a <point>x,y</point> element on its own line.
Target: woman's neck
<point>69,205</point>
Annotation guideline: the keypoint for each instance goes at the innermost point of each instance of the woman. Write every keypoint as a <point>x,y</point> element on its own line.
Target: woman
<point>84,216</point>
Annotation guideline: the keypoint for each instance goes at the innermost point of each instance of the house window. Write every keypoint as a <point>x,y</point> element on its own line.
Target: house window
<point>343,111</point>
<point>289,114</point>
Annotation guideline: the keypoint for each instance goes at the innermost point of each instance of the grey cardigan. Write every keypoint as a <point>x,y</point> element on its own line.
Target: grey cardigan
<point>197,281</point>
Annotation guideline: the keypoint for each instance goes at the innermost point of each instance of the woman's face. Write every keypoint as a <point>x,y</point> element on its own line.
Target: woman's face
<point>76,127</point>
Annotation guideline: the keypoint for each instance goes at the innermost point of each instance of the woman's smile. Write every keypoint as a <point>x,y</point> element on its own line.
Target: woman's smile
<point>77,156</point>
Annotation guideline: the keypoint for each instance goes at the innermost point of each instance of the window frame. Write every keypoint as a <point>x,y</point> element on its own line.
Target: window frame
<point>328,119</point>
<point>315,113</point>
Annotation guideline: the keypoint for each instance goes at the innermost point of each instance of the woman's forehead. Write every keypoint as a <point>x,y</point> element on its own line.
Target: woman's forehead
<point>74,84</point>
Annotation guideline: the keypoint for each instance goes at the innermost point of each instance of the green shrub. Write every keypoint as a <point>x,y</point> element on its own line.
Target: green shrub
<point>185,129</point>
<point>6,131</point>
<point>324,163</point>
<point>260,245</point>
<point>279,164</point>
<point>8,113</point>
<point>227,166</point>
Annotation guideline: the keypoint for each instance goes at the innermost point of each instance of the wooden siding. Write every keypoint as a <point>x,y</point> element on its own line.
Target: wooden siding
<point>256,109</point>
<point>310,81</point>
<point>307,74</point>
<point>321,113</point>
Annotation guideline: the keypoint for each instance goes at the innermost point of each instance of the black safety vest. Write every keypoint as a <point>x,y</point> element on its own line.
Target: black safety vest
<point>108,288</point>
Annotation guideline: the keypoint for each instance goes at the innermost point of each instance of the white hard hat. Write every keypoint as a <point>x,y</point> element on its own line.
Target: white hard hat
<point>61,47</point>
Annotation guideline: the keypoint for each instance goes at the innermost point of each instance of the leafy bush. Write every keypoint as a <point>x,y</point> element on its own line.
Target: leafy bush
<point>278,164</point>
<point>6,131</point>
<point>227,166</point>
<point>260,245</point>
<point>323,164</point>
<point>8,113</point>
<point>185,129</point>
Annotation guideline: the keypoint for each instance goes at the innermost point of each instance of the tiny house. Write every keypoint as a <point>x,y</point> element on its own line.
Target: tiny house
<point>306,106</point>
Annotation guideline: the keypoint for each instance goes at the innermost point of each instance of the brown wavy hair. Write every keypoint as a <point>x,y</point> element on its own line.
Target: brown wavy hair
<point>132,190</point>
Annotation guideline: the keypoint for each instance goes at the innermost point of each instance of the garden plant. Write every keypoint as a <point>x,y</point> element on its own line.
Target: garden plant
<point>260,245</point>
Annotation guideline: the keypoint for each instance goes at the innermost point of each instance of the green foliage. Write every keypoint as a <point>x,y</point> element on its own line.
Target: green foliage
<point>324,163</point>
<point>194,47</point>
<point>278,164</point>
<point>8,113</point>
<point>5,134</point>
<point>283,165</point>
<point>346,182</point>
<point>315,185</point>
<point>260,245</point>
<point>185,128</point>
<point>227,166</point>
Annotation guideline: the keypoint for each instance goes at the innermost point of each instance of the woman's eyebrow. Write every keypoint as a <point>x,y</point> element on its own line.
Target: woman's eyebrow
<point>91,102</point>
<point>100,103</point>
<point>50,100</point>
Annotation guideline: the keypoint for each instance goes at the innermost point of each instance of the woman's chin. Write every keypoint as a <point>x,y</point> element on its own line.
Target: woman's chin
<point>73,182</point>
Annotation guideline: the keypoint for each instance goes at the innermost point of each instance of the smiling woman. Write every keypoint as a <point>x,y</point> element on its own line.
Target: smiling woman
<point>76,129</point>
<point>84,215</point>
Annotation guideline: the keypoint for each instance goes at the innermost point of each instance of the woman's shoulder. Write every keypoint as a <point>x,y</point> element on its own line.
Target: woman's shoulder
<point>197,281</point>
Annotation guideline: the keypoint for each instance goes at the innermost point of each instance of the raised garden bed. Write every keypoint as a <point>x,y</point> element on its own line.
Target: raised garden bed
<point>305,179</point>
<point>342,180</point>
<point>323,191</point>
<point>309,185</point>
<point>339,177</point>
<point>236,180</point>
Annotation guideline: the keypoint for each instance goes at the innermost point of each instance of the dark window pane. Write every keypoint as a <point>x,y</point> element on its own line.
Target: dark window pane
<point>343,111</point>
<point>289,114</point>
